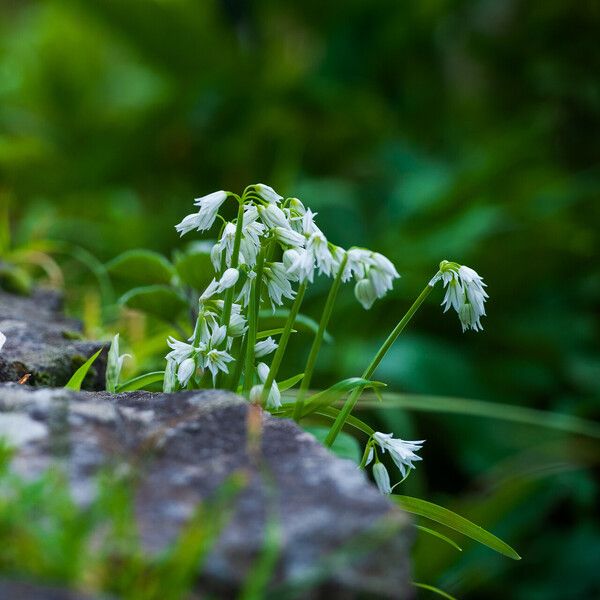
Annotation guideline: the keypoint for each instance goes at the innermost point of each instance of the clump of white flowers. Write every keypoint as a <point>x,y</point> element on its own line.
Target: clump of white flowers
<point>275,248</point>
<point>464,293</point>
<point>265,258</point>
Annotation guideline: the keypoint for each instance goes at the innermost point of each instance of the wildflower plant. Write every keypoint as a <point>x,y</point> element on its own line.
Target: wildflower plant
<point>263,261</point>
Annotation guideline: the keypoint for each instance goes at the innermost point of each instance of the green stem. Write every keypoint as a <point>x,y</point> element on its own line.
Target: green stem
<point>317,342</point>
<point>368,372</point>
<point>253,321</point>
<point>283,341</point>
<point>235,257</point>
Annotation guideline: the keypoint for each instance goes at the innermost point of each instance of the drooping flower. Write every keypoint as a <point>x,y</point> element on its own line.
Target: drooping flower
<point>205,217</point>
<point>244,295</point>
<point>382,478</point>
<point>401,451</point>
<point>272,216</point>
<point>278,284</point>
<point>228,279</point>
<point>274,397</point>
<point>289,237</point>
<point>225,243</point>
<point>265,347</point>
<point>185,371</point>
<point>266,192</point>
<point>465,293</point>
<point>170,378</point>
<point>299,264</point>
<point>237,322</point>
<point>317,245</point>
<point>365,293</point>
<point>2,340</point>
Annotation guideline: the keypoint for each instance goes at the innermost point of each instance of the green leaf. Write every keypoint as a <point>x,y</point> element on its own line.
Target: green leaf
<point>490,410</point>
<point>440,536</point>
<point>286,384</point>
<point>302,322</point>
<point>194,266</point>
<point>333,393</point>
<point>453,521</point>
<point>141,267</point>
<point>77,379</point>
<point>345,446</point>
<point>137,383</point>
<point>156,300</point>
<point>431,588</point>
<point>265,334</point>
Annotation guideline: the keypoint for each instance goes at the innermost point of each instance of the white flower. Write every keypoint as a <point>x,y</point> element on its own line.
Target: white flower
<point>299,264</point>
<point>308,222</point>
<point>215,361</point>
<point>465,293</point>
<point>2,340</point>
<point>289,237</point>
<point>224,244</point>
<point>267,193</point>
<point>318,246</point>
<point>265,347</point>
<point>382,478</point>
<point>114,364</point>
<point>205,217</point>
<point>252,231</point>
<point>237,323</point>
<point>401,451</point>
<point>185,371</point>
<point>272,216</point>
<point>179,350</point>
<point>210,291</point>
<point>278,285</point>
<point>357,264</point>
<point>228,279</point>
<point>365,293</point>
<point>244,295</point>
<point>274,397</point>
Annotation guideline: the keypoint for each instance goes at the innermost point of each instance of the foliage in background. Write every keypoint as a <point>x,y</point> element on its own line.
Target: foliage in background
<point>463,128</point>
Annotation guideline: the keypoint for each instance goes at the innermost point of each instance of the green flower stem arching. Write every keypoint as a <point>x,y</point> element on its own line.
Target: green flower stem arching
<point>283,341</point>
<point>317,342</point>
<point>368,373</point>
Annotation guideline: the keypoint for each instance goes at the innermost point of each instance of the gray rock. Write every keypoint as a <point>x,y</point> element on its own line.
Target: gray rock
<point>42,342</point>
<point>336,531</point>
<point>18,590</point>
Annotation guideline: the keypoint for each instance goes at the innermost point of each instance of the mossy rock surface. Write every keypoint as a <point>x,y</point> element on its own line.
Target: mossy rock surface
<point>335,530</point>
<point>40,342</point>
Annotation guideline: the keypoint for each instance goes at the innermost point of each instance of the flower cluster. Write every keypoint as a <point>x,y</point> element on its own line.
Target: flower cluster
<point>403,454</point>
<point>266,257</point>
<point>274,246</point>
<point>464,293</point>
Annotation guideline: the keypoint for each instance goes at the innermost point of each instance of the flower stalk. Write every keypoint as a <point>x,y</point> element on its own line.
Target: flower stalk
<point>368,372</point>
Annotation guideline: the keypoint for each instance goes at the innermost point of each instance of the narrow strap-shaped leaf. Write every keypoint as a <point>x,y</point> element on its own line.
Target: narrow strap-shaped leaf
<point>77,379</point>
<point>489,410</point>
<point>286,384</point>
<point>332,394</point>
<point>440,536</point>
<point>431,588</point>
<point>137,383</point>
<point>268,332</point>
<point>453,521</point>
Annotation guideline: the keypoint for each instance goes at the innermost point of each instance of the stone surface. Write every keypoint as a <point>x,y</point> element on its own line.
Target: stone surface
<point>17,590</point>
<point>335,529</point>
<point>42,342</point>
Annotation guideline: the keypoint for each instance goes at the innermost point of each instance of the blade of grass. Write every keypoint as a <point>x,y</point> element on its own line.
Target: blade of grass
<point>77,379</point>
<point>453,521</point>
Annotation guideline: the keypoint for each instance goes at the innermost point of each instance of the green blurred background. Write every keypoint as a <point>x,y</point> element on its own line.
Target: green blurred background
<point>465,130</point>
